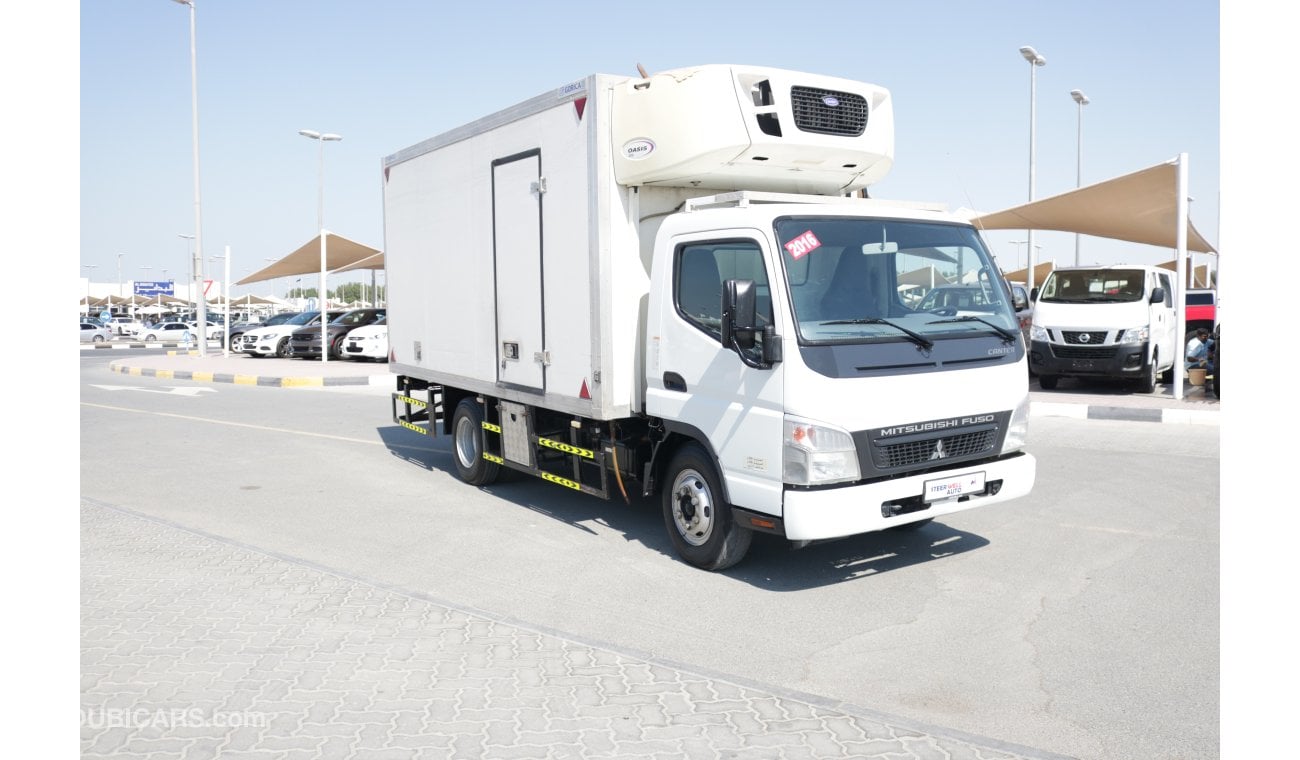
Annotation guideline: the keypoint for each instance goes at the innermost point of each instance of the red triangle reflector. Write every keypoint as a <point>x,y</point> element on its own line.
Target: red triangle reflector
<point>584,393</point>
<point>580,105</point>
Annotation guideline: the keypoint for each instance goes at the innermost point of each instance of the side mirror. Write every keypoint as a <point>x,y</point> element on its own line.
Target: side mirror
<point>1019,301</point>
<point>1033,294</point>
<point>738,314</point>
<point>1157,294</point>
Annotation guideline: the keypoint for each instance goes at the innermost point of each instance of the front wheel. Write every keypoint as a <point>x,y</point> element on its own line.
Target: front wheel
<point>151,337</point>
<point>699,521</point>
<point>1150,376</point>
<point>467,445</point>
<point>282,349</point>
<point>99,338</point>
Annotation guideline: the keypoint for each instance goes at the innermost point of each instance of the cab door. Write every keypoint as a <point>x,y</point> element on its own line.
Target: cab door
<point>702,389</point>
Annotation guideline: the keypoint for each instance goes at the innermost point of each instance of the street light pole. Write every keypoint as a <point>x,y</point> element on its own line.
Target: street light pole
<point>1017,244</point>
<point>1082,100</point>
<point>189,255</point>
<point>321,139</point>
<point>119,274</point>
<point>92,268</point>
<point>1035,60</point>
<point>198,206</point>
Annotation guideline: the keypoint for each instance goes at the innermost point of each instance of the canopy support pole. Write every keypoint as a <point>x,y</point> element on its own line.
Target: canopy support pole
<point>1180,297</point>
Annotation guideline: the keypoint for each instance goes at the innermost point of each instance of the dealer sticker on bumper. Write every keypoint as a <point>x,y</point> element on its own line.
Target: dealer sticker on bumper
<point>957,485</point>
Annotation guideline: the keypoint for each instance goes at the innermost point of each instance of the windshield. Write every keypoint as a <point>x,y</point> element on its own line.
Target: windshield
<point>1094,286</point>
<point>282,318</point>
<point>354,318</point>
<point>872,280</point>
<point>303,318</point>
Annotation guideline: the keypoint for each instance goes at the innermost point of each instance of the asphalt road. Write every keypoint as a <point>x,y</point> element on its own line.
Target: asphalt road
<point>1082,620</point>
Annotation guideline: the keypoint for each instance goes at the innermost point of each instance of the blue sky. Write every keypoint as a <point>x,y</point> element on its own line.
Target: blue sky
<point>387,75</point>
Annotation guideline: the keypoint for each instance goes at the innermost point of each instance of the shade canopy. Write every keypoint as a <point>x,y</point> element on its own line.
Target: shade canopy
<point>1040,273</point>
<point>925,276</point>
<point>1141,208</point>
<point>246,300</point>
<point>340,253</point>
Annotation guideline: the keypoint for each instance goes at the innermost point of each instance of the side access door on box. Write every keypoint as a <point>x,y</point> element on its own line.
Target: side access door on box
<point>517,255</point>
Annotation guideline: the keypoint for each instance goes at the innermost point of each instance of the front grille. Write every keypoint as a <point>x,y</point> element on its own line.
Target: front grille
<point>1084,338</point>
<point>959,445</point>
<point>1079,352</point>
<point>812,113</point>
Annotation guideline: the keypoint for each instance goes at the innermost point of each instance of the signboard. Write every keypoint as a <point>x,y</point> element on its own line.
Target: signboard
<point>151,289</point>
<point>105,316</point>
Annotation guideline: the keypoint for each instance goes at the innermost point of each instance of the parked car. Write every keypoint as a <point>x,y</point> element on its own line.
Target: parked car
<point>305,342</point>
<point>367,342</point>
<point>122,325</point>
<point>237,330</point>
<point>94,332</point>
<point>168,331</point>
<point>214,332</point>
<point>273,340</point>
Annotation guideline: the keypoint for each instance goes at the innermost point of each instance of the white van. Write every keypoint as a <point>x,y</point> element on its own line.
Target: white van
<point>1107,322</point>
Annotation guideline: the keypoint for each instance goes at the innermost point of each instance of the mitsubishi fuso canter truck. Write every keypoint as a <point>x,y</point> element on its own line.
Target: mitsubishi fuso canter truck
<point>665,285</point>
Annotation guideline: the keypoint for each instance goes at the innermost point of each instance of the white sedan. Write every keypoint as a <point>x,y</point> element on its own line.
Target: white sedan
<point>168,331</point>
<point>94,332</point>
<point>367,342</point>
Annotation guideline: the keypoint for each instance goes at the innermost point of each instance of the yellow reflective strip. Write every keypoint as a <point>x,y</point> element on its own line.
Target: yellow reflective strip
<point>302,382</point>
<point>245,379</point>
<point>493,458</point>
<point>411,401</point>
<point>561,481</point>
<point>201,377</point>
<point>566,448</point>
<point>416,428</point>
<point>489,426</point>
<point>163,374</point>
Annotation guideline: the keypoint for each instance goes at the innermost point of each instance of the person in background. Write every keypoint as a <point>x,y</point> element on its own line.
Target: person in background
<point>1198,351</point>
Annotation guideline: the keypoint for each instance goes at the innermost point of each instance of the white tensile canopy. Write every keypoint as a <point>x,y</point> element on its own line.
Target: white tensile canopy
<point>324,253</point>
<point>1149,206</point>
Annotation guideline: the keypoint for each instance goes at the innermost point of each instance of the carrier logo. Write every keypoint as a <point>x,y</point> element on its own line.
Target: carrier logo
<point>636,150</point>
<point>831,101</point>
<point>934,425</point>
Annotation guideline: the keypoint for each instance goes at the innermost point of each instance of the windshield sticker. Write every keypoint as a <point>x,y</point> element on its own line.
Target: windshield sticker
<point>803,245</point>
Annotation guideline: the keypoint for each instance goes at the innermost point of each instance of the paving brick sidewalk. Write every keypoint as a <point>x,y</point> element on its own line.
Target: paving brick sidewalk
<point>194,647</point>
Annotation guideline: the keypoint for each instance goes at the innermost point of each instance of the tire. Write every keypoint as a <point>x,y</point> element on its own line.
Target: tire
<point>467,445</point>
<point>282,348</point>
<point>98,339</point>
<point>1047,382</point>
<point>336,348</point>
<point>151,337</point>
<point>1147,384</point>
<point>699,521</point>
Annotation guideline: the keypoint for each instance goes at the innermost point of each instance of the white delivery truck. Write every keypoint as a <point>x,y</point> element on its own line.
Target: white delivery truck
<point>658,286</point>
<point>1115,322</point>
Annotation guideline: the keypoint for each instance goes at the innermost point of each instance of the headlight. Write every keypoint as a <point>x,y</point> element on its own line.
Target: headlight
<point>1018,428</point>
<point>817,454</point>
<point>1038,332</point>
<point>1136,335</point>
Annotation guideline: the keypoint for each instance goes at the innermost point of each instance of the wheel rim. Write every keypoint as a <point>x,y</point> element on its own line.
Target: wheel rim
<point>693,508</point>
<point>466,442</point>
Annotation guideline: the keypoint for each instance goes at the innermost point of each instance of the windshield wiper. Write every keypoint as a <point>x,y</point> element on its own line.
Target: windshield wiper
<point>1006,334</point>
<point>916,338</point>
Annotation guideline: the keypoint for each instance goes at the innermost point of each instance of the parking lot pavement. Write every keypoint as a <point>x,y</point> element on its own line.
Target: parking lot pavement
<point>197,647</point>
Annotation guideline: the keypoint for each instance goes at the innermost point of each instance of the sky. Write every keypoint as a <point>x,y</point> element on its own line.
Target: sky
<point>388,75</point>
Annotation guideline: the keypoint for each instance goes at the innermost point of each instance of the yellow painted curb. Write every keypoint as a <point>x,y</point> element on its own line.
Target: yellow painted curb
<point>302,382</point>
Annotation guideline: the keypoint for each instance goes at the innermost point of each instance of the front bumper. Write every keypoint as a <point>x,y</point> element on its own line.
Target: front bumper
<point>1115,360</point>
<point>823,513</point>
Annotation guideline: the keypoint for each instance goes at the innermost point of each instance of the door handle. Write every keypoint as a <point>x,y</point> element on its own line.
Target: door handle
<point>674,382</point>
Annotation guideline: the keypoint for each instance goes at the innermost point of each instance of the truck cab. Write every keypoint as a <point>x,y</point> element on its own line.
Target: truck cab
<point>779,341</point>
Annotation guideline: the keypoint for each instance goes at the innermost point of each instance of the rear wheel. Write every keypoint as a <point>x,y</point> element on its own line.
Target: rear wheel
<point>98,339</point>
<point>467,445</point>
<point>699,521</point>
<point>1047,382</point>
